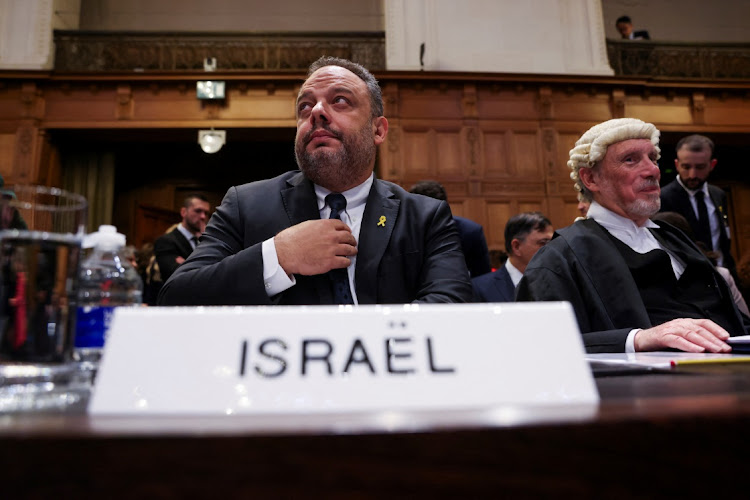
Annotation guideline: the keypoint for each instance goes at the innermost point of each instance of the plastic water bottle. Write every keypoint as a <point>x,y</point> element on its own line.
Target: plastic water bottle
<point>106,281</point>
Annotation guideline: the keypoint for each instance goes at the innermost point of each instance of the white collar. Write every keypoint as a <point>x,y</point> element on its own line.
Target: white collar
<point>515,274</point>
<point>185,232</point>
<point>355,196</point>
<point>692,192</point>
<point>610,220</point>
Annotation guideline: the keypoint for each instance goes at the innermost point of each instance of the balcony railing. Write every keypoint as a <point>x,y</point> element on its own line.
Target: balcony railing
<point>706,61</point>
<point>80,51</point>
<point>77,51</point>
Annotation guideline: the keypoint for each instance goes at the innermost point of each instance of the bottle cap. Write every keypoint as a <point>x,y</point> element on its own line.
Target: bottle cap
<point>107,238</point>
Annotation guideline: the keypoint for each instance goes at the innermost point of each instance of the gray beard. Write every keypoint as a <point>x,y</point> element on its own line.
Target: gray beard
<point>644,208</point>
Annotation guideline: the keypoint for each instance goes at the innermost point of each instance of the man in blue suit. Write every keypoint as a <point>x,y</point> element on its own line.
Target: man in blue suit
<point>525,234</point>
<point>471,234</point>
<point>287,240</point>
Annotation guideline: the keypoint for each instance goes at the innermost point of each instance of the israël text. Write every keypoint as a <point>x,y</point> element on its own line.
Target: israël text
<point>272,357</point>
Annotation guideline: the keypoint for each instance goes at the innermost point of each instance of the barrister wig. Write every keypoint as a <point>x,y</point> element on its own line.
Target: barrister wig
<point>592,146</point>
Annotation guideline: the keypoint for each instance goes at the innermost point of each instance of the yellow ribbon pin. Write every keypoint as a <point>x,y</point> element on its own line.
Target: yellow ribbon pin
<point>381,222</point>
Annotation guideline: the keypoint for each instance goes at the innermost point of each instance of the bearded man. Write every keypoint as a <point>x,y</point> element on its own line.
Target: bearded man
<point>331,232</point>
<point>635,285</point>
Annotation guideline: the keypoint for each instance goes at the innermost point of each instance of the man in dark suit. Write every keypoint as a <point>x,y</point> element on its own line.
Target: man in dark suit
<point>525,234</point>
<point>473,242</point>
<point>284,240</point>
<point>634,285</point>
<point>625,27</point>
<point>172,248</point>
<point>703,205</point>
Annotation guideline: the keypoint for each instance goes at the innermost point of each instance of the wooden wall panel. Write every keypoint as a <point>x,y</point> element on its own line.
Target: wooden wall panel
<point>417,157</point>
<point>526,159</point>
<point>495,155</point>
<point>7,154</point>
<point>450,160</point>
<point>498,213</point>
<point>591,106</point>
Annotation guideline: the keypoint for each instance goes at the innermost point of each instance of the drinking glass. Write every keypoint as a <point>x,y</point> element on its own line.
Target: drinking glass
<point>41,230</point>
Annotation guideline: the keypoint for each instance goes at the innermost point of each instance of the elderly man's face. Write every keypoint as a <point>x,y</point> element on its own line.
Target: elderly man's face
<point>337,136</point>
<point>626,180</point>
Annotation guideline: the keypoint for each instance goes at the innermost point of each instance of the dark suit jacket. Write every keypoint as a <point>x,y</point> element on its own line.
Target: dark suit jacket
<point>494,287</point>
<point>415,257</point>
<point>674,198</point>
<point>474,246</point>
<point>167,248</point>
<point>582,265</point>
<point>641,35</point>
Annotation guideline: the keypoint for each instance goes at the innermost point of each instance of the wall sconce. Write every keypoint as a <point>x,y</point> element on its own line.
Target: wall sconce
<point>212,140</point>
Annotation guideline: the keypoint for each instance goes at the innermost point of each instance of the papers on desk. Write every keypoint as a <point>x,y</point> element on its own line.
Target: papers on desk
<point>740,344</point>
<point>603,362</point>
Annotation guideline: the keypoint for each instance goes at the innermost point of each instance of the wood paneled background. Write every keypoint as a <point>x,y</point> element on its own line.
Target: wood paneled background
<point>499,143</point>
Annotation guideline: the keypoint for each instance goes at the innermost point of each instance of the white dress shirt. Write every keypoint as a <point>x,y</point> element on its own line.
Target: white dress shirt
<point>513,272</point>
<point>274,277</point>
<point>188,235</point>
<point>638,238</point>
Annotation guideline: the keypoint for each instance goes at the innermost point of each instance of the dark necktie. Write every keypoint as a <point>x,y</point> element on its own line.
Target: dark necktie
<point>339,277</point>
<point>704,226</point>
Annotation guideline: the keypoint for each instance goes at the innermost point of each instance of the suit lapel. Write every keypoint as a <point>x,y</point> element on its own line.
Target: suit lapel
<point>378,222</point>
<point>299,200</point>
<point>301,205</point>
<point>185,247</point>
<point>504,284</point>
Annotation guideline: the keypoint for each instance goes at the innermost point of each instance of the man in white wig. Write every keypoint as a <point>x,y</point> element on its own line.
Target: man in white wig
<point>635,285</point>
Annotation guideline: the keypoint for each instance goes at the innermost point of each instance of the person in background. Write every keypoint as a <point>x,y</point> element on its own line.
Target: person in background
<point>330,233</point>
<point>704,206</point>
<point>525,234</point>
<point>473,242</point>
<point>625,27</point>
<point>172,248</point>
<point>634,285</point>
<point>681,223</point>
<point>583,206</point>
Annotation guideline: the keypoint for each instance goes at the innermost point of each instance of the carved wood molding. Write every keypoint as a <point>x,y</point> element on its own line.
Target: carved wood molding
<point>78,51</point>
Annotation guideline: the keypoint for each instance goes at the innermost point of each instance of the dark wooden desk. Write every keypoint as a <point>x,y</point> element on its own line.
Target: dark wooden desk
<point>652,436</point>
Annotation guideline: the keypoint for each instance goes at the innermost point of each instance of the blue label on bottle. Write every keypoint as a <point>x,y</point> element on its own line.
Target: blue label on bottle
<point>92,324</point>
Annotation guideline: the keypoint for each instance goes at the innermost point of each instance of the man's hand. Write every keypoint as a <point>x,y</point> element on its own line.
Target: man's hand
<point>691,335</point>
<point>315,247</point>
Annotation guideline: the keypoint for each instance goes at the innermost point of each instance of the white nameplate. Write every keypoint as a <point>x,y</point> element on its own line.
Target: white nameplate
<point>249,360</point>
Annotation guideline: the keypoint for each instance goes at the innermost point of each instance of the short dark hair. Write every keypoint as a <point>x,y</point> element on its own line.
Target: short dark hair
<point>433,189</point>
<point>623,19</point>
<point>188,201</point>
<point>519,226</point>
<point>376,94</point>
<point>696,143</point>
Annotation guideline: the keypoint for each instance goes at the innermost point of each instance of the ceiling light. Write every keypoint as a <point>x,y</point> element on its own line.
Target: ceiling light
<point>212,140</point>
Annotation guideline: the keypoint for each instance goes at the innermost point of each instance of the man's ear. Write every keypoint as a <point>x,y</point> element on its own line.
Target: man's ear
<point>712,164</point>
<point>183,212</point>
<point>514,244</point>
<point>380,129</point>
<point>588,179</point>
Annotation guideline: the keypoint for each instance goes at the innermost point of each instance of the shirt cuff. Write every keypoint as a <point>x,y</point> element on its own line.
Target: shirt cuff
<point>630,341</point>
<point>275,279</point>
